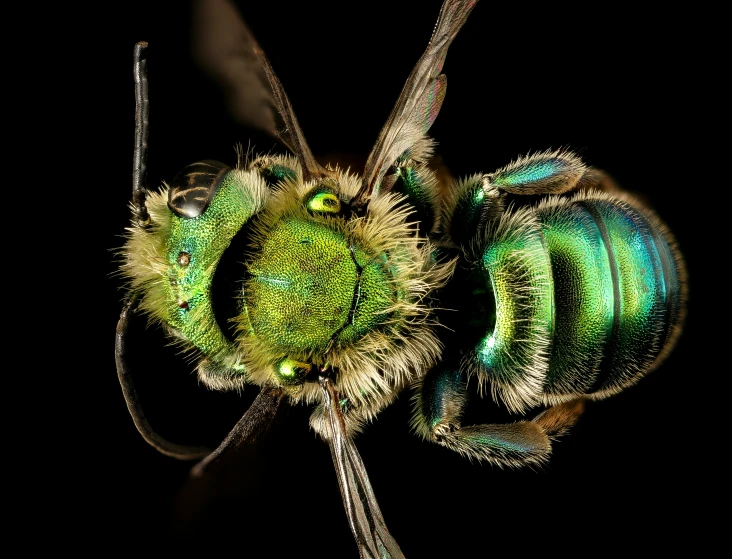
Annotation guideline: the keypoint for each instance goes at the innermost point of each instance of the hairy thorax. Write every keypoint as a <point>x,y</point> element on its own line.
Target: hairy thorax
<point>311,287</point>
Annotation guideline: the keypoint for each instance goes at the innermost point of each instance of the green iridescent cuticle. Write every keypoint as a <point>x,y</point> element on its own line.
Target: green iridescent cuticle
<point>324,202</point>
<point>275,173</point>
<point>535,172</point>
<point>301,285</point>
<point>468,212</point>
<point>519,273</point>
<point>305,288</point>
<point>591,289</point>
<point>443,394</point>
<point>497,440</point>
<point>202,239</point>
<point>291,372</point>
<point>639,285</point>
<point>583,296</point>
<point>281,172</point>
<point>374,297</point>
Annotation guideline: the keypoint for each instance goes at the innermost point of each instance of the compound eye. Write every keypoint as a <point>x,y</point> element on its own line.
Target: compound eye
<point>323,199</point>
<point>290,372</point>
<point>192,190</point>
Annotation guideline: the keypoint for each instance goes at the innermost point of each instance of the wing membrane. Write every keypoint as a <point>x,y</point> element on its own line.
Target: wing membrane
<point>364,516</point>
<point>226,48</point>
<point>419,101</point>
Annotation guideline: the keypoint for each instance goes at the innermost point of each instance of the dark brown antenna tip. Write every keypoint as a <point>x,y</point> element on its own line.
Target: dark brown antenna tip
<point>139,164</point>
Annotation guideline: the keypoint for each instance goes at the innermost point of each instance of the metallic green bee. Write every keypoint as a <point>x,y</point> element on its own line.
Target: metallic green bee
<point>541,280</point>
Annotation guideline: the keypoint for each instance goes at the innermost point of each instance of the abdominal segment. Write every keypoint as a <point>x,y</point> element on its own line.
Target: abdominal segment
<point>588,297</point>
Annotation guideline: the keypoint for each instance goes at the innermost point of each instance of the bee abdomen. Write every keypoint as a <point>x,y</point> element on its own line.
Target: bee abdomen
<point>583,296</point>
<point>589,295</point>
<point>618,294</point>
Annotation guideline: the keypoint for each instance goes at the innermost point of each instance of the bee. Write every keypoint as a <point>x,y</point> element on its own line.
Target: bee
<point>541,283</point>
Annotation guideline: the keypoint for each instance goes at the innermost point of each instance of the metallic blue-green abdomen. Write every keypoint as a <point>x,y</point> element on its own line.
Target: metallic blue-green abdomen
<point>587,295</point>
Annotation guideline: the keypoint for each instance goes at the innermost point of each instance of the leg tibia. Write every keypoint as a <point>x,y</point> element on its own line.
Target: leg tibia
<point>442,399</point>
<point>512,444</point>
<point>557,420</point>
<point>541,173</point>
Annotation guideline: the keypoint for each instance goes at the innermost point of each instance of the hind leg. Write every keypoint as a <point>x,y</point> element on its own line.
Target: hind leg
<point>441,401</point>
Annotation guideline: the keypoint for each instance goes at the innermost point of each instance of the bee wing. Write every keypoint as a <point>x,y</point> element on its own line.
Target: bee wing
<point>226,48</point>
<point>364,516</point>
<point>289,131</point>
<point>419,102</point>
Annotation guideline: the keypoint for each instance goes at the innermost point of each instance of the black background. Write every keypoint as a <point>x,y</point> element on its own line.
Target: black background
<point>628,91</point>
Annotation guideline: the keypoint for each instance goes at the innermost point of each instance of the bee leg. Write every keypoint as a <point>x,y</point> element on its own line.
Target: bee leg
<point>482,199</point>
<point>595,179</point>
<point>256,421</point>
<point>442,399</point>
<point>541,173</point>
<point>557,420</point>
<point>419,184</point>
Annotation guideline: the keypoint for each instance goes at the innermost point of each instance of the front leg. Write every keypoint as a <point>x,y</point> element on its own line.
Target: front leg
<point>440,402</point>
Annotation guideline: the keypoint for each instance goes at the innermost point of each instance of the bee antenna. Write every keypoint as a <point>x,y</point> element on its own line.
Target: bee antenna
<point>139,164</point>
